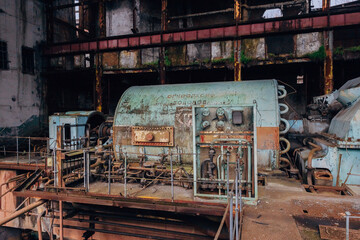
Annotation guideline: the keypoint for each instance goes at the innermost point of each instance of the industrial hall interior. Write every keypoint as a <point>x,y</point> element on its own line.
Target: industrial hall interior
<point>179,119</point>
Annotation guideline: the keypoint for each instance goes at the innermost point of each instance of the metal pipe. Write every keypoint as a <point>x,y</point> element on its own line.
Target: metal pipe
<point>249,171</point>
<point>172,178</point>
<point>39,227</point>
<point>227,171</point>
<point>218,172</point>
<point>109,176</point>
<point>17,150</point>
<point>22,211</point>
<point>61,220</point>
<point>125,175</point>
<point>240,194</point>
<point>29,151</point>
<point>236,204</point>
<point>311,154</point>
<point>348,214</point>
<point>231,216</point>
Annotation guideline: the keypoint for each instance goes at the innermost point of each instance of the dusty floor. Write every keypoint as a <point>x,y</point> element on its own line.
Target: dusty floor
<point>286,211</point>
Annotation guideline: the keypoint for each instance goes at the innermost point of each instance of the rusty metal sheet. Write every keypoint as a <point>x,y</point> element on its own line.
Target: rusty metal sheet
<point>268,138</point>
<point>152,136</point>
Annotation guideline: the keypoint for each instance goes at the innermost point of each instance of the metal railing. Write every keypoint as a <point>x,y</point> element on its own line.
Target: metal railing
<point>23,147</point>
<point>348,216</point>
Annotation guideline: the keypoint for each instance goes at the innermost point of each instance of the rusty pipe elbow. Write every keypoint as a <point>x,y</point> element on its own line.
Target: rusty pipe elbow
<point>311,154</point>
<point>39,226</point>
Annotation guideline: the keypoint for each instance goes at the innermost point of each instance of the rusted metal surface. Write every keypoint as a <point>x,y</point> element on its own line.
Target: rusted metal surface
<point>337,233</point>
<point>98,82</point>
<point>184,207</point>
<point>59,156</point>
<point>153,136</point>
<point>303,23</point>
<point>328,64</point>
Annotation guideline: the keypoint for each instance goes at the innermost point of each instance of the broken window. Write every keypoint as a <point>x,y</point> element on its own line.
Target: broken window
<point>27,60</point>
<point>4,63</point>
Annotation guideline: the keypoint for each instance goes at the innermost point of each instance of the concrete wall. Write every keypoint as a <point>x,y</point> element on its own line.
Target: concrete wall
<point>21,24</point>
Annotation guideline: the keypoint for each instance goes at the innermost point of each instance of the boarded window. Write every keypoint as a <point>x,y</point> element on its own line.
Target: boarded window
<point>27,60</point>
<point>4,62</point>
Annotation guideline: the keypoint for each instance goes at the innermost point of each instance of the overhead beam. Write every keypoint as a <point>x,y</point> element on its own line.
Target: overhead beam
<point>244,30</point>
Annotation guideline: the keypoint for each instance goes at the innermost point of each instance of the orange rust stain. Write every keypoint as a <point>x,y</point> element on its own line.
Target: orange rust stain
<point>268,138</point>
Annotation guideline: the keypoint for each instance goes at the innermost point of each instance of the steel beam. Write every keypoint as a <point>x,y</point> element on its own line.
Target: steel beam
<point>298,24</point>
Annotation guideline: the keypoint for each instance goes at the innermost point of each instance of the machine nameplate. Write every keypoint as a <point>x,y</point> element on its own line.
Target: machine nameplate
<point>152,136</point>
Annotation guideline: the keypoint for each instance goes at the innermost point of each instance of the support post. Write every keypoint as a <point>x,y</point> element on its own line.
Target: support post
<point>98,59</point>
<point>59,155</point>
<point>237,51</point>
<point>61,220</point>
<point>347,215</point>
<point>162,49</point>
<point>328,61</point>
<point>98,82</point>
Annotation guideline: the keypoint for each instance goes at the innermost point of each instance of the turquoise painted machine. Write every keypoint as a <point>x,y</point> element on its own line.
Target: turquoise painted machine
<point>209,128</point>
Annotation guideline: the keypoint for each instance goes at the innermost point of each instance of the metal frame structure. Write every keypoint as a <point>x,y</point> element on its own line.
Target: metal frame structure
<point>303,23</point>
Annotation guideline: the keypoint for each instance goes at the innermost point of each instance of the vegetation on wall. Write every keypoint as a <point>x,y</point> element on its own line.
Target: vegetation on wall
<point>318,55</point>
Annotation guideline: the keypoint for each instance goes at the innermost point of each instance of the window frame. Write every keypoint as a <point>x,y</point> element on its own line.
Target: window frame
<point>27,61</point>
<point>4,56</point>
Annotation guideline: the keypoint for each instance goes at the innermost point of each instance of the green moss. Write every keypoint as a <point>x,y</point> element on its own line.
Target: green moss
<point>244,59</point>
<point>339,51</point>
<point>271,55</point>
<point>353,49</point>
<point>167,60</point>
<point>152,64</point>
<point>318,55</point>
<point>218,61</point>
<point>206,60</point>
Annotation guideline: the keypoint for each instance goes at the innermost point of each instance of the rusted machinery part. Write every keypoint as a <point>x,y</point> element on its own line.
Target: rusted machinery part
<point>284,162</point>
<point>287,126</point>
<point>311,154</point>
<point>22,211</point>
<point>282,139</point>
<point>309,177</point>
